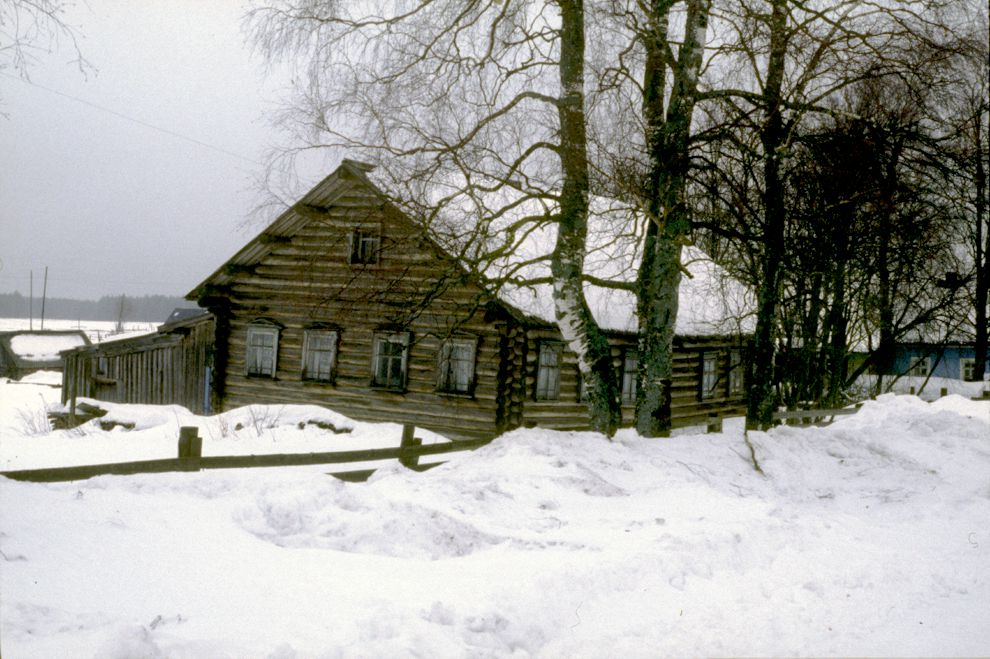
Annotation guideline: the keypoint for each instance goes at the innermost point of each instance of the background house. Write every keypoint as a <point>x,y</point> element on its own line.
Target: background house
<point>344,301</point>
<point>955,360</point>
<point>26,351</point>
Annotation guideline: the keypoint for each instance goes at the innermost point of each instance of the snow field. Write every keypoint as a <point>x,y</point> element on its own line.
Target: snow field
<point>866,537</point>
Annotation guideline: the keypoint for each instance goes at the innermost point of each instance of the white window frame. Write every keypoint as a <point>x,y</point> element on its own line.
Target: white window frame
<point>364,245</point>
<point>456,365</point>
<point>630,375</point>
<point>257,356</point>
<point>709,374</point>
<point>736,382</point>
<point>382,362</point>
<point>965,362</point>
<point>919,367</point>
<point>548,371</point>
<point>319,360</point>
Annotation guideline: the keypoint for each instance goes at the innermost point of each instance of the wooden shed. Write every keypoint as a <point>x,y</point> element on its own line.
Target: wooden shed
<point>172,365</point>
<point>345,302</point>
<point>26,351</point>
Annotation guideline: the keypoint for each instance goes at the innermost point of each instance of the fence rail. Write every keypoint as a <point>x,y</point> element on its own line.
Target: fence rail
<point>408,453</point>
<point>809,415</point>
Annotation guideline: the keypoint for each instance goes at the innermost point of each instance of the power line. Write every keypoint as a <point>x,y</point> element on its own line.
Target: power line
<point>134,120</point>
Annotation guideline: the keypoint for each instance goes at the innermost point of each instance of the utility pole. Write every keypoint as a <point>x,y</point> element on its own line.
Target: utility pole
<point>44,294</point>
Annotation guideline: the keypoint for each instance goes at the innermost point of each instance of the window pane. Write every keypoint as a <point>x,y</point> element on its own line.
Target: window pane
<point>709,376</point>
<point>319,354</point>
<point>548,373</point>
<point>456,365</point>
<point>260,353</point>
<point>735,372</point>
<point>630,368</point>
<point>364,246</point>
<point>389,361</point>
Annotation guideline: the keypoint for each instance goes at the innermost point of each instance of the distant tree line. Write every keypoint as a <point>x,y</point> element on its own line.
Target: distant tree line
<point>116,308</point>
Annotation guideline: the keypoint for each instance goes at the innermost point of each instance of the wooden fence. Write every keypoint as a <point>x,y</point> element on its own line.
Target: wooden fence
<point>189,458</point>
<point>810,416</point>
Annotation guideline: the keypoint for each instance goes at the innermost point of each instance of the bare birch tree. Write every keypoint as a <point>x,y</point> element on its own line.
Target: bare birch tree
<point>650,77</point>
<point>31,29</point>
<point>474,113</point>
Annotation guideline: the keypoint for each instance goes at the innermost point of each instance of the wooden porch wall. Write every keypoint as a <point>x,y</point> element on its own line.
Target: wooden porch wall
<point>159,370</point>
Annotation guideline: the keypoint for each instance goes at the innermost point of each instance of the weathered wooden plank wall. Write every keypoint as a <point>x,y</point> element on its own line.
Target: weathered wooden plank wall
<point>160,369</point>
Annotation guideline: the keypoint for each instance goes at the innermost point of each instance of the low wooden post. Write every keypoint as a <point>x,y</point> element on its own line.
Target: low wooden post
<point>714,422</point>
<point>943,392</point>
<point>190,447</point>
<point>408,457</point>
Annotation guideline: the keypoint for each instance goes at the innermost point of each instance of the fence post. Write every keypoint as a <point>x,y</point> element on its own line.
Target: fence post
<point>408,457</point>
<point>714,422</point>
<point>943,392</point>
<point>190,446</point>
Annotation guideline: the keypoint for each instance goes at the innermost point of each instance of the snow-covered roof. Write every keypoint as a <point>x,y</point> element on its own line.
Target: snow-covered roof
<point>33,349</point>
<point>710,301</point>
<point>42,347</point>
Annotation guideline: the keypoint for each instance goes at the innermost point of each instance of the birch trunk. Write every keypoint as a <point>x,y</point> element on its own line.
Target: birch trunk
<point>578,327</point>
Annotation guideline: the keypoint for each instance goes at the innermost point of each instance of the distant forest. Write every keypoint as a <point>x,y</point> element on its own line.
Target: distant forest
<point>147,308</point>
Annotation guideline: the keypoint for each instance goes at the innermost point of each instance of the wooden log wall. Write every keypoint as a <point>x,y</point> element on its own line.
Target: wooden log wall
<point>307,280</point>
<point>687,405</point>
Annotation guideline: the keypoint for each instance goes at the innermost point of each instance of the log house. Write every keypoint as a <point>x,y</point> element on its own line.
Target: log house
<point>343,301</point>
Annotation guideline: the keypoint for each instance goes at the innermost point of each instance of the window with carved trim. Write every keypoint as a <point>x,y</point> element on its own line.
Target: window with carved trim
<point>456,366</point>
<point>390,361</point>
<point>319,358</point>
<point>262,350</point>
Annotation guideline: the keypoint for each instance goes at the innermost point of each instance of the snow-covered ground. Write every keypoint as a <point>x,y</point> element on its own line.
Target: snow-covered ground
<point>866,537</point>
<point>926,388</point>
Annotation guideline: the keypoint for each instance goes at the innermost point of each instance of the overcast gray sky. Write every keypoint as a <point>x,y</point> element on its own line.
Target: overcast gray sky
<point>110,205</point>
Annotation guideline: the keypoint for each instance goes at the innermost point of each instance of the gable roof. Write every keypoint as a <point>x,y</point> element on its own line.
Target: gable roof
<point>711,302</point>
<point>286,225</point>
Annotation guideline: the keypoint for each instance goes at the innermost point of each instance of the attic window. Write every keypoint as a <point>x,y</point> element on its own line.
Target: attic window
<point>365,244</point>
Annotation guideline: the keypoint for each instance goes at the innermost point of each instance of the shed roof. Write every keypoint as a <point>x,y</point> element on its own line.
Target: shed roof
<point>36,349</point>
